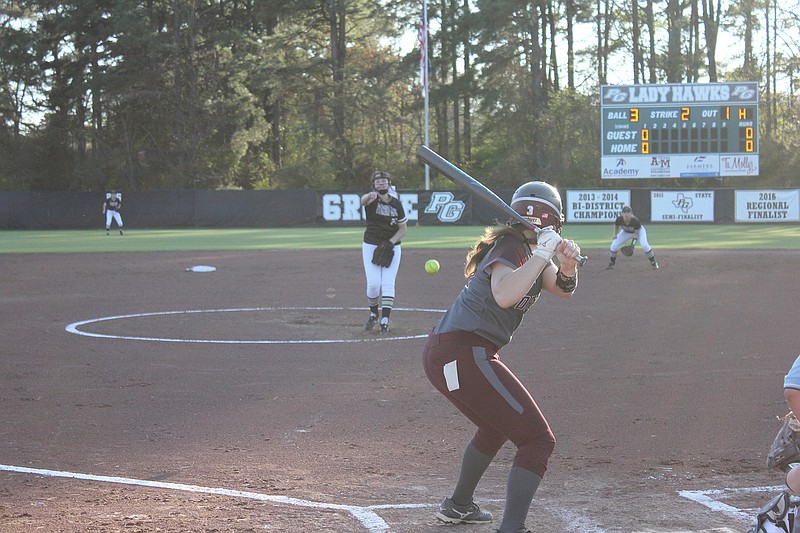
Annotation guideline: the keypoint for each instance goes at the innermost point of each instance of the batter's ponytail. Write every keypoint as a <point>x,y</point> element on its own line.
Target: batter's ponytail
<point>490,235</point>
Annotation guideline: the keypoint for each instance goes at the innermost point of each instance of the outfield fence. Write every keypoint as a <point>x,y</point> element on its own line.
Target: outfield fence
<point>289,208</point>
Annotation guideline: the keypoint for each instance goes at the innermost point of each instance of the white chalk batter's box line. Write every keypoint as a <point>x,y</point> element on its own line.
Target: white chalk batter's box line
<point>711,499</point>
<point>367,515</point>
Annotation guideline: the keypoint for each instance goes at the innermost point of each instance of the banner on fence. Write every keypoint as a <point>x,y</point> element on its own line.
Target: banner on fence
<point>682,206</point>
<point>596,206</point>
<point>768,206</point>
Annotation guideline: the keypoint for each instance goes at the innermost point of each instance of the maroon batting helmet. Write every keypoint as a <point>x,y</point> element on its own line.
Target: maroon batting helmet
<point>540,204</point>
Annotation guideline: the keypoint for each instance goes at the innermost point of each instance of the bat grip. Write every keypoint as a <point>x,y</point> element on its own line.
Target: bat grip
<point>581,258</point>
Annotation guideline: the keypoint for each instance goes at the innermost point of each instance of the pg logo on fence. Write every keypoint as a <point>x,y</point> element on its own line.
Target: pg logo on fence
<point>445,206</point>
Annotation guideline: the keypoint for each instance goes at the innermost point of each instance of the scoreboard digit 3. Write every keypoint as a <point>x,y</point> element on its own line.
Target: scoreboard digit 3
<point>679,130</point>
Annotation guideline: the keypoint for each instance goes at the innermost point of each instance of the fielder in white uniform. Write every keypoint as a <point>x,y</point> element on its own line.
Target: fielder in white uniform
<point>386,221</point>
<point>627,227</point>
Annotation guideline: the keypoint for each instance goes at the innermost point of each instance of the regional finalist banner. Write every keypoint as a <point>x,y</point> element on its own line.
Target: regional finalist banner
<point>768,206</point>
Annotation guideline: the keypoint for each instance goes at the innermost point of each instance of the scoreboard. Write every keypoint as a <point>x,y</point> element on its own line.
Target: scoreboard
<point>686,130</point>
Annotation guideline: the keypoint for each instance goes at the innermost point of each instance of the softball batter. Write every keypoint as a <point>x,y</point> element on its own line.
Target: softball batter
<point>386,225</point>
<point>506,270</point>
<point>627,227</point>
<point>111,209</point>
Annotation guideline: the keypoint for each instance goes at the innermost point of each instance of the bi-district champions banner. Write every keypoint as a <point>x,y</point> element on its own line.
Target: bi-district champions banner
<point>596,206</point>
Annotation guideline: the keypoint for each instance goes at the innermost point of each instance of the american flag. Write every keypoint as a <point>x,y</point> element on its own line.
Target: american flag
<point>423,55</point>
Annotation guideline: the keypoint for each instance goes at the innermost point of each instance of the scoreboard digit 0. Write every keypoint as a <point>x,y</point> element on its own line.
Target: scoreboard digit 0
<point>679,130</point>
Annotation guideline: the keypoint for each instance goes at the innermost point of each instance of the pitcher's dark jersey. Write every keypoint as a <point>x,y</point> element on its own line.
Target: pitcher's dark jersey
<point>382,220</point>
<point>476,310</point>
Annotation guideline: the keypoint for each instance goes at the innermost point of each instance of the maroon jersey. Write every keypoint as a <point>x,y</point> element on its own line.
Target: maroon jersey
<point>476,310</point>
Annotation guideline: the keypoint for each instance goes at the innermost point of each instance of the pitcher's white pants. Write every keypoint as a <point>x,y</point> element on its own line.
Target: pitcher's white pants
<point>380,281</point>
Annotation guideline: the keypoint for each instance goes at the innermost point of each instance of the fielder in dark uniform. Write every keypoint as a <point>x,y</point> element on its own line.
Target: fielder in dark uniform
<point>111,209</point>
<point>627,227</point>
<point>506,270</point>
<point>386,225</point>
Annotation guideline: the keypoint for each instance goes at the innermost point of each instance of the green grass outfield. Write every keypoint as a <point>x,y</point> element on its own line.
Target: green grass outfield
<point>588,236</point>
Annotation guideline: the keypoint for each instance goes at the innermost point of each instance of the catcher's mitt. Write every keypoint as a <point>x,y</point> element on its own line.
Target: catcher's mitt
<point>383,254</point>
<point>627,250</point>
<point>785,450</point>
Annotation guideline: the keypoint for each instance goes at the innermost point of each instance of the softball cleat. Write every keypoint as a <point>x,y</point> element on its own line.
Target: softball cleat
<point>462,514</point>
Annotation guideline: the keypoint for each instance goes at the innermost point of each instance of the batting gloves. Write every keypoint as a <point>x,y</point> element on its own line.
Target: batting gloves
<point>547,241</point>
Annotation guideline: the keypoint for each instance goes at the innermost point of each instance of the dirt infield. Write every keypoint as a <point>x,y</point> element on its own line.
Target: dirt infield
<point>655,382</point>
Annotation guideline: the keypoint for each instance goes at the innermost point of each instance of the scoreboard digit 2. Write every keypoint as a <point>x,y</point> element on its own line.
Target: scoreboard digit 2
<point>679,130</point>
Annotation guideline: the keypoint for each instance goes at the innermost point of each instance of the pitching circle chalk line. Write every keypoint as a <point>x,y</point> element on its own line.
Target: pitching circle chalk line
<point>74,327</point>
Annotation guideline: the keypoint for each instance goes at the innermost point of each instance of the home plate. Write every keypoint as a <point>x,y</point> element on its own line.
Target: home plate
<point>201,268</point>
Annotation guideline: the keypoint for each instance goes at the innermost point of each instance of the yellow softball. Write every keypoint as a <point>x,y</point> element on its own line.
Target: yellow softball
<point>431,266</point>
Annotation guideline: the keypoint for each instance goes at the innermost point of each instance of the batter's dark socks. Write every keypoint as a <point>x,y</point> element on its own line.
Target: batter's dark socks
<point>473,465</point>
<point>373,310</point>
<point>386,312</point>
<point>522,485</point>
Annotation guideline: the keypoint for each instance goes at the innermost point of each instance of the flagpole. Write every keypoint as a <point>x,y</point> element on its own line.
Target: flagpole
<point>425,83</point>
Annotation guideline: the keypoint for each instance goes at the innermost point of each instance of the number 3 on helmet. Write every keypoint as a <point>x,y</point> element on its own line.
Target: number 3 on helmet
<point>540,204</point>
